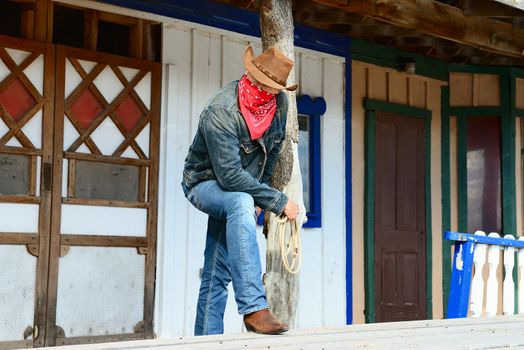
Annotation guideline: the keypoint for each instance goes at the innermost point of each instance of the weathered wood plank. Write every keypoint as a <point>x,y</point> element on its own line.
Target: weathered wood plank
<point>485,333</point>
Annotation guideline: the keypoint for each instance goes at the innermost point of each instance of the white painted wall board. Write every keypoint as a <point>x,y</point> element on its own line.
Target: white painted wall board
<point>232,63</point>
<point>166,290</point>
<point>333,198</point>
<point>311,297</point>
<point>18,217</point>
<point>310,302</point>
<point>173,218</point>
<point>101,220</point>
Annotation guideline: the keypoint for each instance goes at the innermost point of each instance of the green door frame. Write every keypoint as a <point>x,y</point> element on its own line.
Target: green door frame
<point>507,111</point>
<point>372,106</point>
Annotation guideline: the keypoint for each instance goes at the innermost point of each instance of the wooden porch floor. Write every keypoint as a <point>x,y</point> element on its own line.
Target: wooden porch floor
<point>485,333</point>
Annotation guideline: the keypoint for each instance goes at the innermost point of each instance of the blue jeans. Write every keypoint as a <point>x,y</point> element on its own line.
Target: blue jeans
<point>231,255</point>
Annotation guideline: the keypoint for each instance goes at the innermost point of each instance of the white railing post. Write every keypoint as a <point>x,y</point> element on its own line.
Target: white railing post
<point>477,284</point>
<point>492,290</point>
<point>520,260</point>
<point>508,300</point>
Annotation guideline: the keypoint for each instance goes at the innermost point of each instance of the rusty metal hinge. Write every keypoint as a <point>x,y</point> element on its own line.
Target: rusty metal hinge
<point>47,176</point>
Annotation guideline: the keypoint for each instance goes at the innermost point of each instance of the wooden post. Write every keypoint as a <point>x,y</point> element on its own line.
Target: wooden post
<point>276,24</point>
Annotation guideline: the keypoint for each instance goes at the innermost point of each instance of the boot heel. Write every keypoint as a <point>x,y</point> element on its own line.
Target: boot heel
<point>249,328</point>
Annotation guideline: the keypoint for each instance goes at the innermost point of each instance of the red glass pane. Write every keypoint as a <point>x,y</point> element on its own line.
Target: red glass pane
<point>129,113</point>
<point>16,99</point>
<point>484,174</point>
<point>85,109</point>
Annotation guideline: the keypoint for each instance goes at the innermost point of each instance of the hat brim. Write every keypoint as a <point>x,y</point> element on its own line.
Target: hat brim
<point>261,77</point>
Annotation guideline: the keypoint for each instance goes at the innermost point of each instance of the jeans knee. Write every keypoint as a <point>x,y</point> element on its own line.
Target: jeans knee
<point>242,203</point>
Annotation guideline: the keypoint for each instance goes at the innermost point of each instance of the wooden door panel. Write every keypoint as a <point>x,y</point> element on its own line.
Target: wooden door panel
<point>103,240</point>
<point>399,218</point>
<point>26,98</point>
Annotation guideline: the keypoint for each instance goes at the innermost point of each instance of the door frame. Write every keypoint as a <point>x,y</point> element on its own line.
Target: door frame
<point>372,106</point>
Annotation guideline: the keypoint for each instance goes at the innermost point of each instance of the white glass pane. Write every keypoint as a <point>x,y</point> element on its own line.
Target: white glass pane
<point>108,84</point>
<point>33,129</point>
<point>100,220</point>
<point>19,217</point>
<point>35,73</point>
<point>107,137</point>
<point>143,89</point>
<point>143,140</point>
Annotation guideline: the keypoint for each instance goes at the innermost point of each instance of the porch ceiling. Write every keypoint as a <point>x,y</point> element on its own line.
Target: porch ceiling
<point>484,32</point>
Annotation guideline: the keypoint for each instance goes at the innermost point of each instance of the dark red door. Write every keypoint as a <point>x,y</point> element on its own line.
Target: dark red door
<point>400,230</point>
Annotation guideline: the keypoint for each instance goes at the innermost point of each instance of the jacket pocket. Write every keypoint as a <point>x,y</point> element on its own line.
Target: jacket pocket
<point>248,145</point>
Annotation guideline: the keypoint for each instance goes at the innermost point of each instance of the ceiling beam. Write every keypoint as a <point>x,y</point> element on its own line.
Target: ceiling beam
<point>442,21</point>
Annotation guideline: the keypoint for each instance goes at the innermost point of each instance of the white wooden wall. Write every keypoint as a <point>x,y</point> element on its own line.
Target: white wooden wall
<point>197,61</point>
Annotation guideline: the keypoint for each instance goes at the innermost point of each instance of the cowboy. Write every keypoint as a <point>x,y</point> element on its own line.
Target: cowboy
<point>227,175</point>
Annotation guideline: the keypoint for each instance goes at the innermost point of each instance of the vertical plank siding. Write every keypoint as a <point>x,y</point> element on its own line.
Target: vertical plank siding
<point>383,84</point>
<point>200,60</point>
<point>472,89</point>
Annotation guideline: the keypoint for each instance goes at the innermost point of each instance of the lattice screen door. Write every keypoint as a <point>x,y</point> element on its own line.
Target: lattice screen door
<point>98,121</point>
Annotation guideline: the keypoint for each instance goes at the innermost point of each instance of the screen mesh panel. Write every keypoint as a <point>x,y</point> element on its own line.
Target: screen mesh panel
<point>100,291</point>
<point>17,291</point>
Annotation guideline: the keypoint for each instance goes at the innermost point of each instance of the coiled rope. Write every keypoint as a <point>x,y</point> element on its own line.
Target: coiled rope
<point>291,252</point>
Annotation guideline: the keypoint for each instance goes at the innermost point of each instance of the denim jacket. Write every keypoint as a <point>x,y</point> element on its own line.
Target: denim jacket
<point>222,150</point>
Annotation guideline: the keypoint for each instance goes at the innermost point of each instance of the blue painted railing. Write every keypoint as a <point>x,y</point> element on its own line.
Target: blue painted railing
<point>461,274</point>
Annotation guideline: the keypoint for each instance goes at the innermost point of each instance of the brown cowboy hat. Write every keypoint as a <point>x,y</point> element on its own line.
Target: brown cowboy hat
<point>270,68</point>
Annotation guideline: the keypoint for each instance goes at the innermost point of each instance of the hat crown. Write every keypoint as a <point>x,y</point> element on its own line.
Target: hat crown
<point>274,64</point>
<point>270,68</point>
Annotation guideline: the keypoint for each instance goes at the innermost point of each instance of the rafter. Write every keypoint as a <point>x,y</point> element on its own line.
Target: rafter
<point>440,20</point>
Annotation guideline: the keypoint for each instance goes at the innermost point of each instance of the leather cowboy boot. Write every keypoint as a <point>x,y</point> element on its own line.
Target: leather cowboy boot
<point>264,322</point>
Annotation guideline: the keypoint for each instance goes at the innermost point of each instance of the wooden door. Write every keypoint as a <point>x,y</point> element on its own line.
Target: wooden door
<point>400,233</point>
<point>103,225</point>
<point>79,134</point>
<point>26,146</point>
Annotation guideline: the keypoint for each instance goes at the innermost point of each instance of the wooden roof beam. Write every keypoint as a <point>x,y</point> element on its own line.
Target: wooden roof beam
<point>442,21</point>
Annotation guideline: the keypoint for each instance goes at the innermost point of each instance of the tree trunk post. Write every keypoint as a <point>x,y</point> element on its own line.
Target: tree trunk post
<point>276,24</point>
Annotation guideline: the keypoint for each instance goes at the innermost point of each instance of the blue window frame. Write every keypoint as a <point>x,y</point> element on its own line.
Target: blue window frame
<point>309,113</point>
<point>309,149</point>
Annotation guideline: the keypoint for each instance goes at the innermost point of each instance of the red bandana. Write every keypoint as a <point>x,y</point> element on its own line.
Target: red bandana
<point>257,106</point>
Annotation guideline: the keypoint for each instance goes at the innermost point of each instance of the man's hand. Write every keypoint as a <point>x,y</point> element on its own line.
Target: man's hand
<point>290,210</point>
<point>258,210</point>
